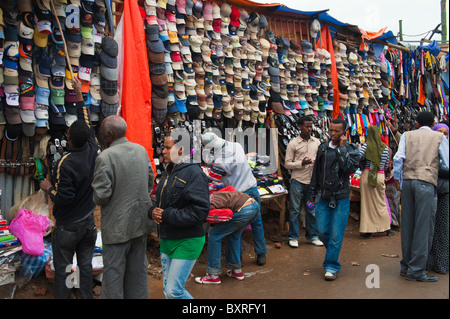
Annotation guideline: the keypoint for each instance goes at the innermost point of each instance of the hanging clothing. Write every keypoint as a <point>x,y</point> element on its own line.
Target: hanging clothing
<point>373,153</point>
<point>374,213</point>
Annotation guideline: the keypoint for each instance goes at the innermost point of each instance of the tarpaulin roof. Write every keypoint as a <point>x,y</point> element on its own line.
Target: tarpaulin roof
<point>322,15</point>
<point>250,4</point>
<point>389,37</point>
<point>286,11</point>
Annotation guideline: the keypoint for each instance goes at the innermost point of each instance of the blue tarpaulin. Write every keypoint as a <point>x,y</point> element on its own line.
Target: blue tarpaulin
<point>293,12</point>
<point>325,18</point>
<point>322,15</point>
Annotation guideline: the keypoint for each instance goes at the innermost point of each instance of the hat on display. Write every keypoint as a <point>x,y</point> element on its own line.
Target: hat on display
<point>253,22</point>
<point>151,31</point>
<point>108,109</point>
<point>263,23</point>
<point>111,62</point>
<point>189,4</point>
<point>207,11</point>
<point>109,45</point>
<point>197,9</point>
<point>156,46</point>
<point>315,28</point>
<point>109,74</point>
<point>235,15</point>
<point>225,11</point>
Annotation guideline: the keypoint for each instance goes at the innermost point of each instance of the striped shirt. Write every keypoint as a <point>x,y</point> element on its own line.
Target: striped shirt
<point>384,163</point>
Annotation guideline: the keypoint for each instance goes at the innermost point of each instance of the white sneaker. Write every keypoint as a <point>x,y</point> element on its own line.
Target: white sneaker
<point>293,243</point>
<point>329,276</point>
<point>316,242</point>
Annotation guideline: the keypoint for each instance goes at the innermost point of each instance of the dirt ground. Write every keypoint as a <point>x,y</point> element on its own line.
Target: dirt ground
<point>293,273</point>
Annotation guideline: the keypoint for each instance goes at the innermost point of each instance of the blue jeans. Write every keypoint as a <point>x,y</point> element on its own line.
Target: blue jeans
<point>259,240</point>
<point>232,230</point>
<point>331,224</point>
<point>297,191</point>
<point>175,274</point>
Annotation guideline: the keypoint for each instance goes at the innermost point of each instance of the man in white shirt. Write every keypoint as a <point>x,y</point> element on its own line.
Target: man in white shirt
<point>300,156</point>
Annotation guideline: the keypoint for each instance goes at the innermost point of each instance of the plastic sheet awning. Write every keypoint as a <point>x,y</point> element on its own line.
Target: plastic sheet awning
<point>322,15</point>
<point>285,11</point>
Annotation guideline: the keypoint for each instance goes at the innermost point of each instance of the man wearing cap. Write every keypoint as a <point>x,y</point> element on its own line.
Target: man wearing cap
<point>75,231</point>
<point>300,156</point>
<point>231,168</point>
<point>123,180</point>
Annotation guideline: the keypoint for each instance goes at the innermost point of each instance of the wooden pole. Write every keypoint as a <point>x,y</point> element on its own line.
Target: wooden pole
<point>64,40</point>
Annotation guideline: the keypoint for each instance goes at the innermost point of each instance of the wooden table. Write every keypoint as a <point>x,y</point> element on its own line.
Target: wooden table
<point>278,203</point>
<point>355,195</point>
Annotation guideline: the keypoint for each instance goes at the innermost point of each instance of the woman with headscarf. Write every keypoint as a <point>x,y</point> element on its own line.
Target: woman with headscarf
<point>438,259</point>
<point>375,160</point>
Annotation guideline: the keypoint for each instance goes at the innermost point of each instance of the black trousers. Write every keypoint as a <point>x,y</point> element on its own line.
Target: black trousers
<point>77,238</point>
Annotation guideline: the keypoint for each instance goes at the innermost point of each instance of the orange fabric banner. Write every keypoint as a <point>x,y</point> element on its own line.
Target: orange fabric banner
<point>370,35</point>
<point>326,42</point>
<point>136,87</point>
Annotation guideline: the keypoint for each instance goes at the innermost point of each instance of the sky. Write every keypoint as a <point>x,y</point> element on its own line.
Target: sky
<point>418,16</point>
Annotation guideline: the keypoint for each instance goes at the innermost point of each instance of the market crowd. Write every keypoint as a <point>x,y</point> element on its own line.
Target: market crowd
<point>184,205</point>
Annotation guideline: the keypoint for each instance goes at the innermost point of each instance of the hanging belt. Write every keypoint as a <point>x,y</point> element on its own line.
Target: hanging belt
<point>3,155</point>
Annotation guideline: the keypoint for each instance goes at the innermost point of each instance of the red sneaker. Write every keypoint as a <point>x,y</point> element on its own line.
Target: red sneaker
<point>237,275</point>
<point>208,280</point>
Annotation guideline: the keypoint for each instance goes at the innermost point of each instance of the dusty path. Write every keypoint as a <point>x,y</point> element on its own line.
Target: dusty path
<point>297,273</point>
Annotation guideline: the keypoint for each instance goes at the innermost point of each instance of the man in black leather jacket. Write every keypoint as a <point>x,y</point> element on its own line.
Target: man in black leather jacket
<point>336,160</point>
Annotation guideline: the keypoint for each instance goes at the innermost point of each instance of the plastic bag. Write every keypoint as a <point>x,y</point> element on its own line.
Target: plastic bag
<point>34,266</point>
<point>36,202</point>
<point>30,230</point>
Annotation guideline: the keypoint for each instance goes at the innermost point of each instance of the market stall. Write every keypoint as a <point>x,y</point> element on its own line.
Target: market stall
<point>201,66</point>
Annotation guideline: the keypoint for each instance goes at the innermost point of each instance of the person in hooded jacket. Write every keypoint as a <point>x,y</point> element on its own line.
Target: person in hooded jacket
<point>182,205</point>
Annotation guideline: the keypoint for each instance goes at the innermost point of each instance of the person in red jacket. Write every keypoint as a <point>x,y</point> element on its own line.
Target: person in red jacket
<point>245,210</point>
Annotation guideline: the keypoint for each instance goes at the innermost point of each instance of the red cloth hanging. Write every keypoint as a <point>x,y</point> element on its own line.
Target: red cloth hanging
<point>326,42</point>
<point>136,87</point>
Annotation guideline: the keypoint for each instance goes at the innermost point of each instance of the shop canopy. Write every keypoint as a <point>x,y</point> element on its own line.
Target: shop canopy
<point>322,15</point>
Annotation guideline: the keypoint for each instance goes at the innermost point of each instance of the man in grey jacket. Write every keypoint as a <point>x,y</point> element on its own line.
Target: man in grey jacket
<point>123,180</point>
